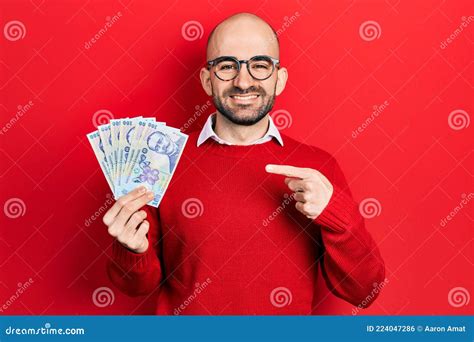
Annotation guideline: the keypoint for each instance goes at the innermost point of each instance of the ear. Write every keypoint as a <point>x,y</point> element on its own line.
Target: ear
<point>282,77</point>
<point>205,76</point>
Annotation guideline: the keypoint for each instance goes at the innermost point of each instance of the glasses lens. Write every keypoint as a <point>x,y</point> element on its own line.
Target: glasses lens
<point>227,69</point>
<point>261,67</point>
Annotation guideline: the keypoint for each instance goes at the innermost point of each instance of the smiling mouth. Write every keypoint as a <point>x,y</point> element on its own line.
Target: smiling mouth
<point>244,98</point>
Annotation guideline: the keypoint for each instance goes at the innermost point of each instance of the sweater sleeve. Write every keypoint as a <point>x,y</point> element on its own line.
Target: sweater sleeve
<point>351,263</point>
<point>137,273</point>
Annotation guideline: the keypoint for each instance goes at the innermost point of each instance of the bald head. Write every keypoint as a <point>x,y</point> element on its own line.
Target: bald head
<point>243,35</point>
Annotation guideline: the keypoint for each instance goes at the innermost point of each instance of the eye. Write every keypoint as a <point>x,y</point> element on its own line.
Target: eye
<point>227,66</point>
<point>264,66</point>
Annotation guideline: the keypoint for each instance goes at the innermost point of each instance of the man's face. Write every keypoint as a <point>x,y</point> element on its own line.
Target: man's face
<point>160,143</point>
<point>243,100</point>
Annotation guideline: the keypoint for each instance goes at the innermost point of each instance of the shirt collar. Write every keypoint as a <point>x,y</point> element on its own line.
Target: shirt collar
<point>208,132</point>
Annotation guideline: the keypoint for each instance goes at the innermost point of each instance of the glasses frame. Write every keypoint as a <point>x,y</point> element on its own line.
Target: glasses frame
<point>275,65</point>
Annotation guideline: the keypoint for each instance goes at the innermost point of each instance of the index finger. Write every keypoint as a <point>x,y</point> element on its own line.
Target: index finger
<point>121,201</point>
<point>287,170</point>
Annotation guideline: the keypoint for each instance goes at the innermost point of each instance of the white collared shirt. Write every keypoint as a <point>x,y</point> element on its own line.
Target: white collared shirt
<point>208,132</point>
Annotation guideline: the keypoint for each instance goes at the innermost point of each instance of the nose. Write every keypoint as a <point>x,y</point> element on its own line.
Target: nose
<point>243,80</point>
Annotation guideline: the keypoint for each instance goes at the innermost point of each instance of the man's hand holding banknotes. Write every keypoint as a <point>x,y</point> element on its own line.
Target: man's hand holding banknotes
<point>138,157</point>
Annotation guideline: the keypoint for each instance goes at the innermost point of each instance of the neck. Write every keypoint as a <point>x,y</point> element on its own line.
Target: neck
<point>239,134</point>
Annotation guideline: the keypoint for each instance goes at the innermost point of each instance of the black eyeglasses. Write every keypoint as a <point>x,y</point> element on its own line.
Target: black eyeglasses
<point>226,68</point>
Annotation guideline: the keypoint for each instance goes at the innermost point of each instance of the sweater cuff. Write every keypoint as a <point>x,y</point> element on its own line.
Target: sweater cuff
<point>341,212</point>
<point>129,260</point>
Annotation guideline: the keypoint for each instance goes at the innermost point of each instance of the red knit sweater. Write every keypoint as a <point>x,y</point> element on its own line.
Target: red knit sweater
<point>227,238</point>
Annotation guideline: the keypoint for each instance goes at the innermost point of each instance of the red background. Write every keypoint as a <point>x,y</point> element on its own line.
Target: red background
<point>408,158</point>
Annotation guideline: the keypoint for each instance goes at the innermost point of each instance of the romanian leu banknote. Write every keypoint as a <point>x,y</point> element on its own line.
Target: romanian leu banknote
<point>137,151</point>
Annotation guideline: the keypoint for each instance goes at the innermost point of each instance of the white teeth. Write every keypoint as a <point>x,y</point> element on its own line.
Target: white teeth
<point>248,97</point>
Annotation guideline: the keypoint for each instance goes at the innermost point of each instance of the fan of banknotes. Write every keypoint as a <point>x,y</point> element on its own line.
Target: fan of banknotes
<point>137,151</point>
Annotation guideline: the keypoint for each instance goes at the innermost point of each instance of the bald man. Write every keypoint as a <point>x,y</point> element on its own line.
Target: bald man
<point>252,217</point>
